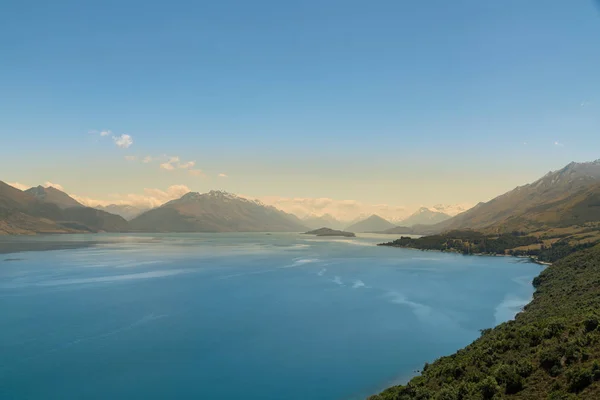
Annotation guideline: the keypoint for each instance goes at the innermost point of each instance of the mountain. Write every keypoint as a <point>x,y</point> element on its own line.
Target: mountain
<point>27,213</point>
<point>54,196</point>
<point>216,211</point>
<point>372,224</point>
<point>21,213</point>
<point>315,222</point>
<point>555,199</point>
<point>124,210</point>
<point>425,216</point>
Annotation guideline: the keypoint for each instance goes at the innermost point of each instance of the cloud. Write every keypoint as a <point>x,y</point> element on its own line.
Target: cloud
<point>197,172</point>
<point>150,198</point>
<point>222,175</point>
<point>147,159</point>
<point>54,185</point>
<point>559,144</point>
<point>170,165</point>
<point>123,141</point>
<point>105,133</point>
<point>18,185</point>
<point>175,162</point>
<point>345,210</point>
<point>585,103</point>
<point>187,165</point>
<point>130,158</point>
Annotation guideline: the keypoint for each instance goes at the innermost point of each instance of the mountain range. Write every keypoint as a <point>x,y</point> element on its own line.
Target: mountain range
<point>425,216</point>
<point>124,210</point>
<point>561,198</point>
<point>374,223</point>
<point>35,211</point>
<point>216,211</point>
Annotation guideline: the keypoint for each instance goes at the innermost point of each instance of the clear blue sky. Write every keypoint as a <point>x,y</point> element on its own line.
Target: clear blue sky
<point>390,101</point>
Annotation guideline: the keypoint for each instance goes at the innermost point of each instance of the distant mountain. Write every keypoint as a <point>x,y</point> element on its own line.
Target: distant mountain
<point>372,224</point>
<point>124,210</point>
<point>326,220</point>
<point>450,209</point>
<point>425,216</point>
<point>35,212</point>
<point>561,192</point>
<point>54,196</point>
<point>216,211</point>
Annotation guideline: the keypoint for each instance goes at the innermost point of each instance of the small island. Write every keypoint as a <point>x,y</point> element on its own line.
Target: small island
<point>329,232</point>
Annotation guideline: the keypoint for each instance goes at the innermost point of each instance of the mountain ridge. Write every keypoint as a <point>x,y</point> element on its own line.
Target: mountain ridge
<point>216,211</point>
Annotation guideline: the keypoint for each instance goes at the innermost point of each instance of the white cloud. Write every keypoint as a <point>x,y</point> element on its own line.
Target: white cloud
<point>222,175</point>
<point>54,185</point>
<point>187,165</point>
<point>105,133</point>
<point>130,158</point>
<point>171,164</point>
<point>123,141</point>
<point>175,162</point>
<point>558,144</point>
<point>18,185</point>
<point>344,210</point>
<point>150,198</point>
<point>147,159</point>
<point>197,172</point>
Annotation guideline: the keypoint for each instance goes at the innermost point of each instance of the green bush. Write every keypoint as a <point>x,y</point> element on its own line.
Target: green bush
<point>489,388</point>
<point>579,378</point>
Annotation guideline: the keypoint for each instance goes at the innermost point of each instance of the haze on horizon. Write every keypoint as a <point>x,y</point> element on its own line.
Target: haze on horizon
<point>342,107</point>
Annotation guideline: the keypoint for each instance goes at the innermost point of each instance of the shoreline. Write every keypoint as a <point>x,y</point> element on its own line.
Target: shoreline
<point>530,258</point>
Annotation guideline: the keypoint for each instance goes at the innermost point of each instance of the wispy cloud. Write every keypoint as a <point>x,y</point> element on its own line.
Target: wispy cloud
<point>187,165</point>
<point>171,164</point>
<point>105,133</point>
<point>123,141</point>
<point>585,103</point>
<point>130,158</point>
<point>176,163</point>
<point>197,172</point>
<point>222,175</point>
<point>150,198</point>
<point>558,144</point>
<point>18,185</point>
<point>147,159</point>
<point>345,210</point>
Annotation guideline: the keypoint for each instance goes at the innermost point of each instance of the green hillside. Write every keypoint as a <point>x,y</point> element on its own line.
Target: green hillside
<point>550,351</point>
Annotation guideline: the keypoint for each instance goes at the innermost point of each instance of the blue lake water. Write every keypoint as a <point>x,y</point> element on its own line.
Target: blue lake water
<point>230,316</point>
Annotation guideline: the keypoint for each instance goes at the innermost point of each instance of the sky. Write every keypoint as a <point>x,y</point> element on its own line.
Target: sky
<point>320,106</point>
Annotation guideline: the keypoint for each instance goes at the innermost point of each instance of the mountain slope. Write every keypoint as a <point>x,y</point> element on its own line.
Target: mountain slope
<point>549,351</point>
<point>548,191</point>
<point>372,224</point>
<point>21,213</point>
<point>24,213</point>
<point>54,196</point>
<point>425,216</point>
<point>215,211</point>
<point>124,210</point>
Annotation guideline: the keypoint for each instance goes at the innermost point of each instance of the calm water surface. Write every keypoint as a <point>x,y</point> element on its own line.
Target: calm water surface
<point>230,316</point>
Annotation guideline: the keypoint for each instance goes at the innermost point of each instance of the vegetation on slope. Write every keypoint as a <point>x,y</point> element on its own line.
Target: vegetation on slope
<point>547,248</point>
<point>550,351</point>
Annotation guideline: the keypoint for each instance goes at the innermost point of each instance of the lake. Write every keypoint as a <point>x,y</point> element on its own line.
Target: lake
<point>230,316</point>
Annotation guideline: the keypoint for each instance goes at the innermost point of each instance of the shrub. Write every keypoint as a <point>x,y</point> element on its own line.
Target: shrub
<point>579,378</point>
<point>489,388</point>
